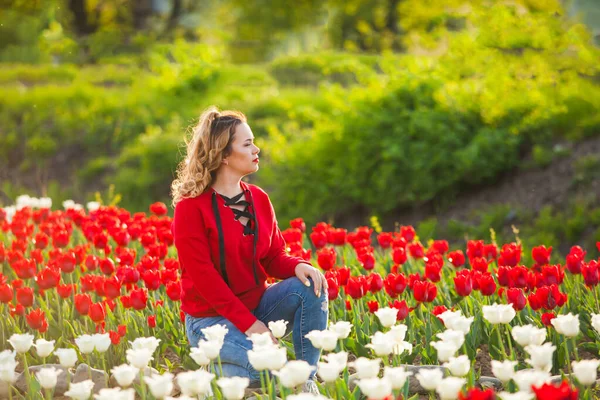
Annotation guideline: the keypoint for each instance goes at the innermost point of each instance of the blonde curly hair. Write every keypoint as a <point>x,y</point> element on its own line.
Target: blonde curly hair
<point>209,143</point>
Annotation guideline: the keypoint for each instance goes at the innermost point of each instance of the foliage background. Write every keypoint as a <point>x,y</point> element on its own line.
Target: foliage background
<point>361,107</point>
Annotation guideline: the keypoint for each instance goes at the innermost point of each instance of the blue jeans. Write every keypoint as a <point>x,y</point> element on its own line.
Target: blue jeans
<point>289,300</point>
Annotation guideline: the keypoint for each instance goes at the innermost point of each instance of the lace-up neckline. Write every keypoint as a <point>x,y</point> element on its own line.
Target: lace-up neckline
<point>237,201</point>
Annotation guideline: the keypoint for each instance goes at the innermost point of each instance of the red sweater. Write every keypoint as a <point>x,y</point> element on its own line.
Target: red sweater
<point>204,290</point>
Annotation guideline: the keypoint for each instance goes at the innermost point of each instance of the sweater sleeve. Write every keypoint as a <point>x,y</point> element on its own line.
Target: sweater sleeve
<point>193,249</point>
<point>278,263</point>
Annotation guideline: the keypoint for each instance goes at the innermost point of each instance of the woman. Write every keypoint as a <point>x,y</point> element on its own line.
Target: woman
<point>228,242</point>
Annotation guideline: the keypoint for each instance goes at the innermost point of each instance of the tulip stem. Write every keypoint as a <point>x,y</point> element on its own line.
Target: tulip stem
<point>501,341</point>
<point>143,384</point>
<point>509,338</point>
<point>575,349</point>
<point>48,394</point>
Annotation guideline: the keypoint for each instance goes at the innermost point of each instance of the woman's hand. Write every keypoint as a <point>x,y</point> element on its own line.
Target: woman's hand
<point>259,327</point>
<point>305,271</point>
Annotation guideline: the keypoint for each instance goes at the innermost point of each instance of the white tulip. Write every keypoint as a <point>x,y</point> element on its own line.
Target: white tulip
<point>233,388</point>
<point>199,356</point>
<point>10,212</point>
<point>499,313</point>
<point>366,368</point>
<point>340,358</point>
<point>8,364</point>
<point>47,377</point>
<point>194,383</point>
<point>101,342</point>
<point>150,343</point>
<point>567,325</point>
<point>115,394</point>
<point>215,332</point>
<point>458,366</point>
<point>449,388</point>
<point>181,397</point>
<point>429,378</point>
<point>211,348</point>
<point>160,385</point>
<point>326,340</point>
<point>21,342</point>
<point>139,358</point>
<point>294,373</point>
<point>397,376</point>
<point>278,328</point>
<point>44,347</point>
<point>452,336</point>
<point>596,322</point>
<point>342,328</point>
<point>81,390</point>
<point>585,371</point>
<point>271,358</point>
<point>503,370</point>
<point>330,371</point>
<point>260,340</point>
<point>124,374</point>
<point>375,388</point>
<point>387,316</point>
<point>528,334</point>
<point>445,350</point>
<point>398,332</point>
<point>526,378</point>
<point>449,317</point>
<point>92,205</point>
<point>381,343</point>
<point>66,357</point>
<point>462,324</point>
<point>45,202</point>
<point>515,396</point>
<point>540,356</point>
<point>401,347</point>
<point>85,343</point>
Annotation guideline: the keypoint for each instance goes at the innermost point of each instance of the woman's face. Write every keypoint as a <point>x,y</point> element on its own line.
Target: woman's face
<point>244,153</point>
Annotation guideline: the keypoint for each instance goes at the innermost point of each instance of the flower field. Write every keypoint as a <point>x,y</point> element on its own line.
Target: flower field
<point>90,304</point>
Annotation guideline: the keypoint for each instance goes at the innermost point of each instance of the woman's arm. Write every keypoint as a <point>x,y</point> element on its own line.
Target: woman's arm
<point>194,252</point>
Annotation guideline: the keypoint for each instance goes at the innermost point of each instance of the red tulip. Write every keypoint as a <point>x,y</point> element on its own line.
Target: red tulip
<point>408,233</point>
<point>591,275</point>
<point>441,246</point>
<point>384,239</point>
<point>375,282</point>
<point>64,291</point>
<point>516,297</point>
<point>292,235</point>
<point>159,209</point>
<point>82,303</point>
<point>547,318</point>
<point>355,287</point>
<point>138,298</point>
<point>67,262</point>
<point>457,258</point>
<point>319,239</point>
<point>60,238</point>
<point>36,319</point>
<point>112,288</point>
<point>152,321</point>
<point>402,308</point>
<point>115,339</point>
<point>424,291</point>
<point>6,294</point>
<point>91,262</point>
<point>416,250</point>
<point>541,254</point>
<point>477,394</point>
<point>326,258</point>
<point>298,223</point>
<point>173,290</point>
<point>510,255</point>
<point>333,289</point>
<point>25,296</point>
<point>97,312</point>
<point>479,264</point>
<point>399,255</point>
<point>433,271</point>
<point>41,240</point>
<point>367,260</point>
<point>48,278</point>
<point>107,266</point>
<point>486,284</point>
<point>463,284</point>
<point>551,392</point>
<point>151,279</point>
<point>373,306</point>
<point>17,309</point>
<point>395,284</point>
